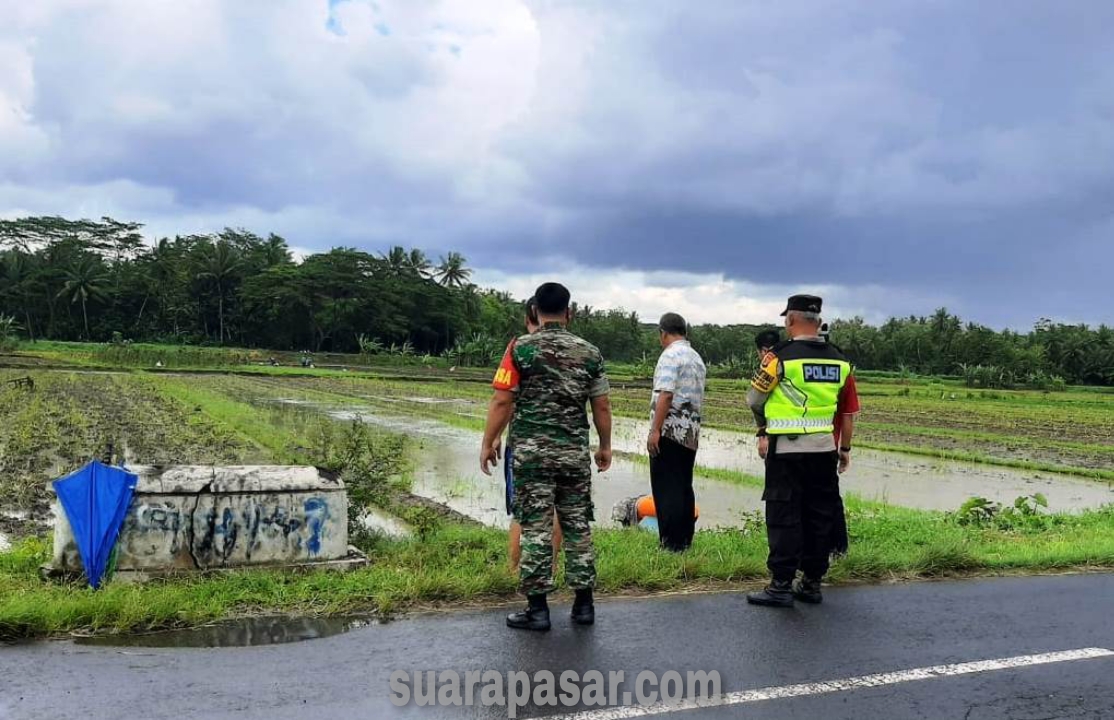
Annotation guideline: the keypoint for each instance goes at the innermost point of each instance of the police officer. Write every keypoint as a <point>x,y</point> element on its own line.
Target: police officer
<point>765,341</point>
<point>794,397</point>
<point>546,382</point>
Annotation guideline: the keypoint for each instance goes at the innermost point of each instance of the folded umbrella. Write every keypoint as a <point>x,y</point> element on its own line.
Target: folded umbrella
<point>95,500</point>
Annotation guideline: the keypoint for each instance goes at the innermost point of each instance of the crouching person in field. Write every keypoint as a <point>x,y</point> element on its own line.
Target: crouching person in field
<point>546,384</point>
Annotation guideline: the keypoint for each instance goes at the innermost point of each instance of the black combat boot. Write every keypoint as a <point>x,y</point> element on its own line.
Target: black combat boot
<point>534,617</point>
<point>583,608</point>
<point>779,593</point>
<point>807,590</point>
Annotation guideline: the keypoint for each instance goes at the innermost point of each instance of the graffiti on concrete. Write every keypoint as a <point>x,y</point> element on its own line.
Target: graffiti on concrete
<point>317,513</point>
<point>252,529</point>
<point>237,521</point>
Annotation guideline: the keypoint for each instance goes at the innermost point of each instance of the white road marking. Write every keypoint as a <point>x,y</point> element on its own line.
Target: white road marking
<point>834,686</point>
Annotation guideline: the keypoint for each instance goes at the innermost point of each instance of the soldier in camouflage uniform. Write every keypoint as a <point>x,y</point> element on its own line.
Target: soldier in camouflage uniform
<point>547,380</point>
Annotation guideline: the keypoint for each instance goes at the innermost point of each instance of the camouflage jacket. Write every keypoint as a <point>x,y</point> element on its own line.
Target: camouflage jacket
<point>553,374</point>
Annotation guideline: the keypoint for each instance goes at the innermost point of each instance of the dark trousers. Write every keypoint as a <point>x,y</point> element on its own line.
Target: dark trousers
<point>839,540</point>
<point>674,501</point>
<point>802,502</point>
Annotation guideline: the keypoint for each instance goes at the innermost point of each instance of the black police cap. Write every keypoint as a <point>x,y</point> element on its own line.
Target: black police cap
<point>767,339</point>
<point>803,303</point>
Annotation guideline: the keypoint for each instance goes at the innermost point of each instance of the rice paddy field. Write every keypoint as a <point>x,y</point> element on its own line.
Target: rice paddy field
<point>1070,432</point>
<point>944,441</point>
<point>72,415</point>
<point>70,418</point>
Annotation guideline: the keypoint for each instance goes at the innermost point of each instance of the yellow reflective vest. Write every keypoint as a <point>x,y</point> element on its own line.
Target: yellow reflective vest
<point>810,376</point>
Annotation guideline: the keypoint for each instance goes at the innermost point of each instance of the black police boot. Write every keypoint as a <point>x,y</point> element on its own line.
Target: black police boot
<point>534,617</point>
<point>807,590</point>
<point>583,608</point>
<point>779,593</point>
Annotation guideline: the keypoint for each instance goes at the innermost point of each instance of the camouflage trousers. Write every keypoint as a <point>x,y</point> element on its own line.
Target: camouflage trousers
<point>536,494</point>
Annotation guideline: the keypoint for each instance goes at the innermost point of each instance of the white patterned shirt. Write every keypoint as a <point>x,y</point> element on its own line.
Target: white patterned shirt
<point>681,371</point>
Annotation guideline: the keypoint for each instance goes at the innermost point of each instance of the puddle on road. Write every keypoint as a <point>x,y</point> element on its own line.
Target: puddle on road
<point>906,480</point>
<point>246,632</point>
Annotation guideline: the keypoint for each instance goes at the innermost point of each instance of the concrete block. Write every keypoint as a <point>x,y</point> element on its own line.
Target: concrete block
<point>203,517</point>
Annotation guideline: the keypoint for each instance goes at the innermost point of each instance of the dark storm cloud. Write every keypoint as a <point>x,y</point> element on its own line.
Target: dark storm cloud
<point>909,153</point>
<point>964,148</point>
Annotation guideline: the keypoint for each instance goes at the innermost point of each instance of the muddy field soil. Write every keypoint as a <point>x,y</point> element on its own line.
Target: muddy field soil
<point>67,419</point>
<point>71,417</point>
<point>1097,458</point>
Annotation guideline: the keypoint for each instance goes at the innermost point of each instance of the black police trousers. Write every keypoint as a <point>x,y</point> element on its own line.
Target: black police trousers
<point>671,483</point>
<point>802,502</point>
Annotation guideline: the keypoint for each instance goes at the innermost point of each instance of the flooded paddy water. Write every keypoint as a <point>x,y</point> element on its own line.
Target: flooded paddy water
<point>447,471</point>
<point>896,478</point>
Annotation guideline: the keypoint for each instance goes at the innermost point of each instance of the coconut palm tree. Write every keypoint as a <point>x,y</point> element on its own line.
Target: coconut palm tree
<point>452,271</point>
<point>398,262</point>
<point>275,251</point>
<point>220,262</point>
<point>419,264</point>
<point>85,280</point>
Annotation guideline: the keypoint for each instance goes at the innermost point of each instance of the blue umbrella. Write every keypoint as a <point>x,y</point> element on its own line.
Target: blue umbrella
<point>96,499</point>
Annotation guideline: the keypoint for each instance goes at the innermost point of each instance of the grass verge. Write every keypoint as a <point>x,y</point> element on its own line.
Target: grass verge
<point>449,564</point>
<point>465,565</point>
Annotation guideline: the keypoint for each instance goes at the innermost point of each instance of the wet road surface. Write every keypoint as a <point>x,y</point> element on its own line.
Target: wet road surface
<point>1048,641</point>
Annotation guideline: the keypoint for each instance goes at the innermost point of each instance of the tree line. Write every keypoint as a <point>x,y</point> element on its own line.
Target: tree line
<point>93,280</point>
<point>99,280</point>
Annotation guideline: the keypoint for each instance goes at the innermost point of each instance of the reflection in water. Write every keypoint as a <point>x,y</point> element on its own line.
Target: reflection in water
<point>237,633</point>
<point>907,480</point>
<point>448,472</point>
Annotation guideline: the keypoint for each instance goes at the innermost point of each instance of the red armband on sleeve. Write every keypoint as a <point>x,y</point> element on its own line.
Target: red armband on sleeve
<point>507,376</point>
<point>848,398</point>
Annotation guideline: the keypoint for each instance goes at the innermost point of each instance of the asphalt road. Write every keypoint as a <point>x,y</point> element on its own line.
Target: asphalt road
<point>859,631</point>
